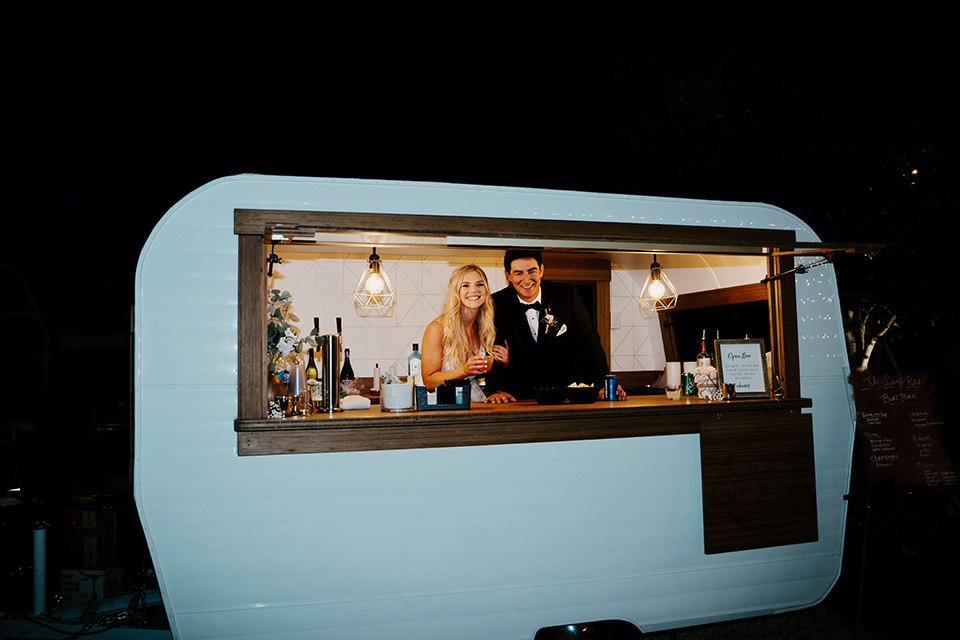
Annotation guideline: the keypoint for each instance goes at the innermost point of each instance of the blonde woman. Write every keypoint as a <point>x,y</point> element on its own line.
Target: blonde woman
<point>456,344</point>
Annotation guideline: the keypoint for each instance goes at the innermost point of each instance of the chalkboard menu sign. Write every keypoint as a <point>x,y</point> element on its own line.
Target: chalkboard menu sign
<point>744,364</point>
<point>899,428</point>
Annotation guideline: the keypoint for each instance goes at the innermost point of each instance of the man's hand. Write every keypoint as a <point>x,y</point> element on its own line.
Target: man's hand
<point>502,353</point>
<point>500,397</point>
<point>621,394</point>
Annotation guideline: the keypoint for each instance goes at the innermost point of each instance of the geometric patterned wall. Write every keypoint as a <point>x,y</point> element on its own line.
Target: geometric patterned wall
<point>323,287</point>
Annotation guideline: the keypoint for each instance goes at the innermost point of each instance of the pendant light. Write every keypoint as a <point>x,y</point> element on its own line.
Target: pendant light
<point>374,291</point>
<point>658,293</point>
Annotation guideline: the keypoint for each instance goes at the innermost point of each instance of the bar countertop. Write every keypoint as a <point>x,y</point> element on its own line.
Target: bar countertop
<point>486,424</point>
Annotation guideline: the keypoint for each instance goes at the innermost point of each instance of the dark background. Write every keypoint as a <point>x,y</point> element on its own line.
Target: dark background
<point>825,111</point>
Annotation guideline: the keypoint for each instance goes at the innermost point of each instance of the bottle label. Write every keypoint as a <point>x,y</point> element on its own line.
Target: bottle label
<point>414,366</point>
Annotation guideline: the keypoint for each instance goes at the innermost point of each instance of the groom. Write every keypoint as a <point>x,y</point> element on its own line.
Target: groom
<point>548,330</point>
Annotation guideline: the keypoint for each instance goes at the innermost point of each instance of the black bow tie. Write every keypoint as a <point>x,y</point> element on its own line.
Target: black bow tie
<point>533,305</point>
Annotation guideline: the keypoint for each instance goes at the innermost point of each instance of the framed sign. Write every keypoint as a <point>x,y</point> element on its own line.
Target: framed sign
<point>744,364</point>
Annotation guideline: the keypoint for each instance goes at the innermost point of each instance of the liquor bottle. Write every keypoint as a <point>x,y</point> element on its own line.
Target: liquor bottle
<point>312,372</point>
<point>313,383</point>
<point>413,361</point>
<point>346,372</point>
<point>376,379</point>
<point>703,358</point>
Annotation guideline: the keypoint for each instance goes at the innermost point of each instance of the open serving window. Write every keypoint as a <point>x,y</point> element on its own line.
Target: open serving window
<point>579,252</point>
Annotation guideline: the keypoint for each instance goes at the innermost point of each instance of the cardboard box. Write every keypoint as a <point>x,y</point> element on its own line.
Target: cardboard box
<point>89,538</point>
<point>78,585</point>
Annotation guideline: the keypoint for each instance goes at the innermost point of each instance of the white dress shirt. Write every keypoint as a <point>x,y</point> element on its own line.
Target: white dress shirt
<point>533,316</point>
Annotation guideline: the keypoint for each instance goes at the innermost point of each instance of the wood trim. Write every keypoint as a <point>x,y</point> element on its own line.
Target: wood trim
<point>251,329</point>
<point>603,317</point>
<point>783,325</point>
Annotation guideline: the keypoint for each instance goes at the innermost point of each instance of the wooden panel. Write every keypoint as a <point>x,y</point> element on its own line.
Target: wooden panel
<point>568,267</point>
<point>754,292</point>
<point>251,330</point>
<point>759,481</point>
<point>587,235</point>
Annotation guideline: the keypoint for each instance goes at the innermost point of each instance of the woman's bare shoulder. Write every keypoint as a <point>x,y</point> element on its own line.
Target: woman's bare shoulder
<point>433,331</point>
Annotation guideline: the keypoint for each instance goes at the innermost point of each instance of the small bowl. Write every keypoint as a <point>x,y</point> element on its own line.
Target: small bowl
<point>583,395</point>
<point>550,395</point>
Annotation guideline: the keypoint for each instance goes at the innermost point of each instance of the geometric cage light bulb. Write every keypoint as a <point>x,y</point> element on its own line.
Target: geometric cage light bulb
<point>374,291</point>
<point>658,293</point>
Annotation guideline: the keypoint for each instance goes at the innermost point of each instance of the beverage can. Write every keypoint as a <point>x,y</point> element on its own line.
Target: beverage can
<point>688,385</point>
<point>610,387</point>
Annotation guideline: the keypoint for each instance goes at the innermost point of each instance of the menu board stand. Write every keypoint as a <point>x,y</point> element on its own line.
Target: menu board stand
<point>899,452</point>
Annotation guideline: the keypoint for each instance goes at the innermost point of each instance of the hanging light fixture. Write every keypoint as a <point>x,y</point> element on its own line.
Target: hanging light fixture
<point>374,291</point>
<point>658,294</point>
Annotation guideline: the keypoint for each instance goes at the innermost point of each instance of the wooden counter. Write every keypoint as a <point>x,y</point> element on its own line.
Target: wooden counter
<point>756,456</point>
<point>486,424</point>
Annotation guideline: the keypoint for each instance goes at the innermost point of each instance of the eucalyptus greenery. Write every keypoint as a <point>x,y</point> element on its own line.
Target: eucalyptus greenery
<point>283,336</point>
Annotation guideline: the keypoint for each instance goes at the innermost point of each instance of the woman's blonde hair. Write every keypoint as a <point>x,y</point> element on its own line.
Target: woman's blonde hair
<point>456,348</point>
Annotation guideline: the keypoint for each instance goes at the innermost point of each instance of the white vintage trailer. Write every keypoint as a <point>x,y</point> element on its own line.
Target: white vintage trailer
<point>289,536</point>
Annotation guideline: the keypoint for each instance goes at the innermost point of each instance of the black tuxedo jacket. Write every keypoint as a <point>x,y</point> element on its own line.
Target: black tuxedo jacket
<point>554,359</point>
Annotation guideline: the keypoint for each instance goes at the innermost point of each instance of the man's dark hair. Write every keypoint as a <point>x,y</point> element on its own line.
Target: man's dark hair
<point>518,254</point>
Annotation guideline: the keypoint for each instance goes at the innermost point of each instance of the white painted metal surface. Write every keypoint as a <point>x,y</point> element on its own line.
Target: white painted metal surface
<point>467,542</point>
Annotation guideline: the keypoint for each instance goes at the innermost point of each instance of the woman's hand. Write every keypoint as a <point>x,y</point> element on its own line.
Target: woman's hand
<point>477,365</point>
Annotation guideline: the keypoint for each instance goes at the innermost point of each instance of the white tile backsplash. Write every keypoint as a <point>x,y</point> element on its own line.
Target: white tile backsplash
<point>323,287</point>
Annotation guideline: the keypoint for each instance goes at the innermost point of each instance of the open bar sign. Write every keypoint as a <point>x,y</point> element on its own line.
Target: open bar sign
<point>744,364</point>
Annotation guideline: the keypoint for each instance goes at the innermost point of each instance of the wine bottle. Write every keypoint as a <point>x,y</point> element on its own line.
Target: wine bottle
<point>703,358</point>
<point>346,372</point>
<point>314,397</point>
<point>376,379</point>
<point>413,361</point>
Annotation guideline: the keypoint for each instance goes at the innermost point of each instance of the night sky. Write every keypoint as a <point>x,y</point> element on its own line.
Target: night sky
<point>113,116</point>
<point>114,122</point>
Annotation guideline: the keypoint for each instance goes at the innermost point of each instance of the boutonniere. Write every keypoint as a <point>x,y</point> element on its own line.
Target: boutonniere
<point>550,320</point>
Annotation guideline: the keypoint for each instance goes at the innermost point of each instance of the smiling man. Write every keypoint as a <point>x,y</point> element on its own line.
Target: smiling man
<point>549,333</point>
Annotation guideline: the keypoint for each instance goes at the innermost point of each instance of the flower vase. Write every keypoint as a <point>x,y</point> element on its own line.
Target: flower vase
<point>275,387</point>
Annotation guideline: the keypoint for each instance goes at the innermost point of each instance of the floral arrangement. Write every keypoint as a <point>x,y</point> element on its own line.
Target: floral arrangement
<point>706,379</point>
<point>283,337</point>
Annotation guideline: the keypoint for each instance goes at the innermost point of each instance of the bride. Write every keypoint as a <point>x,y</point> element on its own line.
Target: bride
<point>459,343</point>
